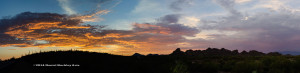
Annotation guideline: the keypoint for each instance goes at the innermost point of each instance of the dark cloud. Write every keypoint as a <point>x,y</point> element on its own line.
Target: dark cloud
<point>25,28</point>
<point>162,34</point>
<point>23,21</point>
<point>167,25</point>
<point>49,29</point>
<point>28,17</point>
<point>172,18</point>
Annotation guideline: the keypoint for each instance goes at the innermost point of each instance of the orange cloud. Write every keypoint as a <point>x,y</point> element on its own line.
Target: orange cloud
<point>55,30</point>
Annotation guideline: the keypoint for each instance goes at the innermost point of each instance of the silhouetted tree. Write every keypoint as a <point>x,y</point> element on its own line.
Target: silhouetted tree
<point>190,52</point>
<point>13,58</point>
<point>255,53</point>
<point>177,52</point>
<point>244,52</point>
<point>224,52</point>
<point>211,51</point>
<point>208,48</point>
<point>235,52</point>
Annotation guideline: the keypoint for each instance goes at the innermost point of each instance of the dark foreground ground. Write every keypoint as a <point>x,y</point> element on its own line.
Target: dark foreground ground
<point>177,62</point>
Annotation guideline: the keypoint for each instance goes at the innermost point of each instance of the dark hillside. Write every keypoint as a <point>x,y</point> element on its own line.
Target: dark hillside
<point>88,61</point>
<point>211,60</point>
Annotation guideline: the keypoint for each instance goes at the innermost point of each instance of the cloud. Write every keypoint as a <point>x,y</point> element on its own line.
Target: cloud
<point>26,28</point>
<point>144,6</point>
<point>50,29</point>
<point>92,17</point>
<point>190,21</point>
<point>167,25</point>
<point>179,4</point>
<point>242,1</point>
<point>164,32</point>
<point>65,4</point>
<point>29,29</point>
<point>55,30</point>
<point>229,6</point>
<point>91,11</point>
<point>276,31</point>
<point>271,4</point>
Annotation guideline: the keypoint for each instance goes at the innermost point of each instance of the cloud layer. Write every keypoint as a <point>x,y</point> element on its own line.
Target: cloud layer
<point>49,30</point>
<point>265,31</point>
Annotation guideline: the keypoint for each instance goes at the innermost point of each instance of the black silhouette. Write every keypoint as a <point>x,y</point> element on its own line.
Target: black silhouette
<point>211,60</point>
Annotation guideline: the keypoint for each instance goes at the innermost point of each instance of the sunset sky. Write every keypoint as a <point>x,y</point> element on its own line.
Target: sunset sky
<point>124,27</point>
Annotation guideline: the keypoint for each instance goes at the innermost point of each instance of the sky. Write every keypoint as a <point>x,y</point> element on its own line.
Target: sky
<point>124,27</point>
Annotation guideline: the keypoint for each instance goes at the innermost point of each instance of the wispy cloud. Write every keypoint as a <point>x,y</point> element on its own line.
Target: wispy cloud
<point>65,4</point>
